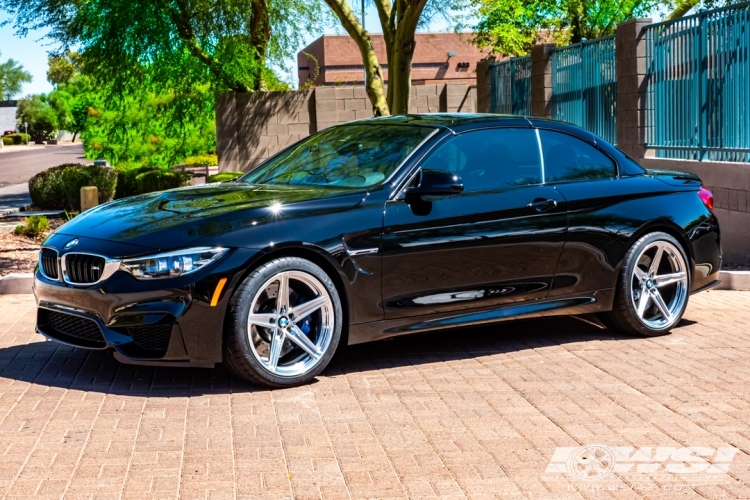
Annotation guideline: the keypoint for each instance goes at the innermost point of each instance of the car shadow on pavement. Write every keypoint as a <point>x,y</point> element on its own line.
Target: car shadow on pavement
<point>51,364</point>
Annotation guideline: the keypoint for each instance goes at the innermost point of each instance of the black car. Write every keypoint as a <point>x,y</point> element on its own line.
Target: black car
<point>379,228</point>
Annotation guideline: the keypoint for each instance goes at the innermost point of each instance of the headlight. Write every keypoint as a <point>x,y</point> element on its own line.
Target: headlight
<point>172,264</point>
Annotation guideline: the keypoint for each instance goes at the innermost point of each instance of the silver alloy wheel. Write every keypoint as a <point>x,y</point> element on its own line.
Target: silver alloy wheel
<point>285,305</point>
<point>659,285</point>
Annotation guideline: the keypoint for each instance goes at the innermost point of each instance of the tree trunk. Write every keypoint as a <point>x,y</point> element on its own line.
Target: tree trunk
<point>407,14</point>
<point>260,34</point>
<point>399,76</point>
<point>374,86</point>
<point>74,136</point>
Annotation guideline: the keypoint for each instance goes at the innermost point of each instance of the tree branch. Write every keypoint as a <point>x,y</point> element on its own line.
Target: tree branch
<point>384,13</point>
<point>181,18</point>
<point>682,8</point>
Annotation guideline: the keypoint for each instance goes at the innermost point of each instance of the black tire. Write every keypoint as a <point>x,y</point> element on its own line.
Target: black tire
<point>624,316</point>
<point>238,354</point>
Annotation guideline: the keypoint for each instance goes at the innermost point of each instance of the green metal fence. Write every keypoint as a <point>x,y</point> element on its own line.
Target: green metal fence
<point>698,86</point>
<point>584,86</point>
<point>511,86</point>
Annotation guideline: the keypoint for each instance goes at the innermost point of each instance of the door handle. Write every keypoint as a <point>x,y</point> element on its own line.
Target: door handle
<point>542,204</point>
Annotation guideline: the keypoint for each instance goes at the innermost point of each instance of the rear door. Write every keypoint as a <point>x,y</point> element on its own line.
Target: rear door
<point>497,242</point>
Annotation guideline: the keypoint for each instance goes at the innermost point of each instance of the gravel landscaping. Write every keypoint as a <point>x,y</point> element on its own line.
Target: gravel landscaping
<point>18,254</point>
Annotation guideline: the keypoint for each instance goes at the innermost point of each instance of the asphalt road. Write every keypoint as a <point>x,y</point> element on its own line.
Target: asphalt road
<point>19,167</point>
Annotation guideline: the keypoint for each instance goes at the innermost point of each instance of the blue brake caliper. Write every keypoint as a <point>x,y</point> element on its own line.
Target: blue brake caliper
<point>305,326</point>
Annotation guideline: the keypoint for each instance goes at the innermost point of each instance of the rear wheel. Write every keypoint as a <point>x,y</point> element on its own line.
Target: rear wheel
<point>652,292</point>
<point>284,324</point>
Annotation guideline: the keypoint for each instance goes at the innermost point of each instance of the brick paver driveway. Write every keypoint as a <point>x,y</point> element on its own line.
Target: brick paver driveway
<point>480,413</point>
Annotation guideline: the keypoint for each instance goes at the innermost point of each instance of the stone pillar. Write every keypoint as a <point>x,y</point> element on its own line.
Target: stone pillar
<point>541,80</point>
<point>630,50</point>
<point>484,85</point>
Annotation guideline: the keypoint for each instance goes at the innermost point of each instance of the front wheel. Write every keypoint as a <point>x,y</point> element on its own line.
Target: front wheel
<point>653,289</point>
<point>284,324</point>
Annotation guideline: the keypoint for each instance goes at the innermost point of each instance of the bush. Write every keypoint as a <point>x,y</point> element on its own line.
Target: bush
<point>224,176</point>
<point>201,160</point>
<point>60,187</point>
<point>36,226</point>
<point>141,180</point>
<point>7,141</point>
<point>19,138</point>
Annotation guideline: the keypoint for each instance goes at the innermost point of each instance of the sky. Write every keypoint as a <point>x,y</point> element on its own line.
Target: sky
<point>30,52</point>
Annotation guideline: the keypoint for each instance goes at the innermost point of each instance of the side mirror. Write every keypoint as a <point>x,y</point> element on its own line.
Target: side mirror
<point>435,183</point>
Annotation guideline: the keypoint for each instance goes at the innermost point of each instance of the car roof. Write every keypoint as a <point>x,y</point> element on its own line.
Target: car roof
<point>459,122</point>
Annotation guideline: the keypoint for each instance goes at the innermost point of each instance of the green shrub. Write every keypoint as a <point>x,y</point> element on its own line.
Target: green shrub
<point>36,225</point>
<point>141,180</point>
<point>201,160</point>
<point>7,141</point>
<point>224,176</point>
<point>60,187</point>
<point>19,138</point>
<point>45,188</point>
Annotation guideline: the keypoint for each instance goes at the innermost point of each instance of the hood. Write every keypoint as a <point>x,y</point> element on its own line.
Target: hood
<point>175,218</point>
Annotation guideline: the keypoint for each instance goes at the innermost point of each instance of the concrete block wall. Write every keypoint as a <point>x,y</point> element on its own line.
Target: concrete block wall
<point>252,127</point>
<point>730,183</point>
<point>335,105</point>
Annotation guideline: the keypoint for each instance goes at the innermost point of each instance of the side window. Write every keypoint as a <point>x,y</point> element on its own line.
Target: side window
<point>567,158</point>
<point>490,158</point>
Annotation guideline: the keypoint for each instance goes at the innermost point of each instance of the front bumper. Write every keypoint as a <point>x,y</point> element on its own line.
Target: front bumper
<point>169,320</point>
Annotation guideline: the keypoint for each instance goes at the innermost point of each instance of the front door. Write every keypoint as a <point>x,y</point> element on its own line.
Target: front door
<point>497,242</point>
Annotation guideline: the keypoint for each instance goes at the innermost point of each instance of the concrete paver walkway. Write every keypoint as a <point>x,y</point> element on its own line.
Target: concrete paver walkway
<point>507,411</point>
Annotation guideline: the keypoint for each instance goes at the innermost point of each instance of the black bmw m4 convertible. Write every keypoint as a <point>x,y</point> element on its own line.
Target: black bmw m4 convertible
<point>378,228</point>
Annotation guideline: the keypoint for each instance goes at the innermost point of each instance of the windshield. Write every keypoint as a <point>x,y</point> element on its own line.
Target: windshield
<point>356,155</point>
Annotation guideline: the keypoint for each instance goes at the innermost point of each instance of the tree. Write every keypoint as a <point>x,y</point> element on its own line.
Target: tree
<point>399,20</point>
<point>143,84</point>
<point>511,27</point>
<point>41,117</point>
<point>229,39</point>
<point>73,94</point>
<point>12,78</point>
<point>63,68</point>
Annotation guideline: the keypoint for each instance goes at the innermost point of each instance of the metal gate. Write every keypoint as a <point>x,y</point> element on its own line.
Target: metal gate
<point>511,86</point>
<point>584,86</point>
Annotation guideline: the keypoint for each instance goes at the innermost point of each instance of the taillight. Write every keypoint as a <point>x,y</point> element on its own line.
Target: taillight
<point>707,197</point>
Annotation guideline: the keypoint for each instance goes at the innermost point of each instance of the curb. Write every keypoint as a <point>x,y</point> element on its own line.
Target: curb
<point>16,283</point>
<point>734,280</point>
<point>9,210</point>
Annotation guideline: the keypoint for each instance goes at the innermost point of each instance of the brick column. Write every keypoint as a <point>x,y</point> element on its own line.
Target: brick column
<point>630,50</point>
<point>541,80</point>
<point>484,86</point>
